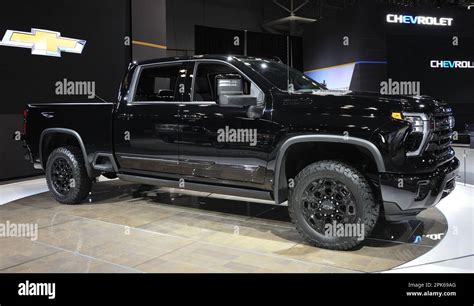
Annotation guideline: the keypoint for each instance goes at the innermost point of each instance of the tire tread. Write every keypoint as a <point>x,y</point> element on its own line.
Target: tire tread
<point>84,183</point>
<point>371,208</point>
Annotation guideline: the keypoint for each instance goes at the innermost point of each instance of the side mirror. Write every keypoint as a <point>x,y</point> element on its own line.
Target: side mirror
<point>230,90</point>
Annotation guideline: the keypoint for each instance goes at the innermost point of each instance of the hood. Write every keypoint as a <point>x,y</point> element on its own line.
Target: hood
<point>372,100</point>
<point>410,104</point>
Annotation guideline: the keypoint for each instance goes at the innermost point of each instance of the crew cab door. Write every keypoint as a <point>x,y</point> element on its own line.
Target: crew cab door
<point>206,153</point>
<point>147,125</point>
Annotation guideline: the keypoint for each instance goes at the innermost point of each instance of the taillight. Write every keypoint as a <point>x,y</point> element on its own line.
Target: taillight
<point>25,118</point>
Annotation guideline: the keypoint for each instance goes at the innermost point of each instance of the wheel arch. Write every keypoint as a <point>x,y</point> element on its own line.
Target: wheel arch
<point>64,132</point>
<point>278,179</point>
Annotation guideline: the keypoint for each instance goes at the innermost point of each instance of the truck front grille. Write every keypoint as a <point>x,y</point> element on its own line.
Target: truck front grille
<point>439,145</point>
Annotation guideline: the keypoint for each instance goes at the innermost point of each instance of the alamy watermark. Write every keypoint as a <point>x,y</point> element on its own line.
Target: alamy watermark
<point>28,288</point>
<point>408,88</point>
<point>348,230</point>
<point>75,88</point>
<point>19,230</point>
<point>230,135</point>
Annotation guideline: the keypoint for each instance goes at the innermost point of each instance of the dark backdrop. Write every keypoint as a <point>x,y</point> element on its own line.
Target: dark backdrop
<point>289,49</point>
<point>27,78</point>
<point>409,63</point>
<point>210,40</point>
<point>398,51</point>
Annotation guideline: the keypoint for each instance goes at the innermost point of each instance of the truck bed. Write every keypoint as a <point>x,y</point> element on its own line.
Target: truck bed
<point>92,121</point>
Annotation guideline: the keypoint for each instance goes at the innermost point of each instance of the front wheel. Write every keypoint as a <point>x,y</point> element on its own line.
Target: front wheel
<point>332,205</point>
<point>66,175</point>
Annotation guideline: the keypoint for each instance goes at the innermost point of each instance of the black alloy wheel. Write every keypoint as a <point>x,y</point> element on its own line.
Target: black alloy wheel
<point>327,201</point>
<point>62,176</point>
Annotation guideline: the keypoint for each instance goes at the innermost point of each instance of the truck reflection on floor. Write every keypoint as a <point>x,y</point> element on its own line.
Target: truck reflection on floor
<point>430,222</point>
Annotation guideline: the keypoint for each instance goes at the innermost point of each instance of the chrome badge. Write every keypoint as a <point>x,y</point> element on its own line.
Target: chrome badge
<point>43,42</point>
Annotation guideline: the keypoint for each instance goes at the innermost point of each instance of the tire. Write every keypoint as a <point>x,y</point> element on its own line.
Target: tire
<point>66,164</point>
<point>314,212</point>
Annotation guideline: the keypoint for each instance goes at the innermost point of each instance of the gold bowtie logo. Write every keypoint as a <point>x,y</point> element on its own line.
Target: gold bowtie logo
<point>43,42</point>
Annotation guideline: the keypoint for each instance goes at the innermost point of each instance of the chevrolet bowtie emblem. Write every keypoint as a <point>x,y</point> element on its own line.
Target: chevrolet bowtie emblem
<point>43,42</point>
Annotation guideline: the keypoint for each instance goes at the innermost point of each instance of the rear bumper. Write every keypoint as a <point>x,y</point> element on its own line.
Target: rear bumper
<point>405,196</point>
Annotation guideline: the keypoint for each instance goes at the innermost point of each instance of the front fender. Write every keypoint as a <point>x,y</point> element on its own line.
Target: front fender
<point>278,179</point>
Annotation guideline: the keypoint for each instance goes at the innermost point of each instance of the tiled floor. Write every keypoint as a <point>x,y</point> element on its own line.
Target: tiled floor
<point>455,253</point>
<point>131,228</point>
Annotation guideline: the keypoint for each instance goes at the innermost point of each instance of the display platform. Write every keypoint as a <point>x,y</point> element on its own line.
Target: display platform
<point>132,228</point>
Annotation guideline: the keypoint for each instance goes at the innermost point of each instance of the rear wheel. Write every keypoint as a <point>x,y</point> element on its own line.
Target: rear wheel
<point>66,175</point>
<point>332,205</point>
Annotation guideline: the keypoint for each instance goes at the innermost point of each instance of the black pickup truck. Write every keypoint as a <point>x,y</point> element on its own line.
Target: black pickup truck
<point>254,128</point>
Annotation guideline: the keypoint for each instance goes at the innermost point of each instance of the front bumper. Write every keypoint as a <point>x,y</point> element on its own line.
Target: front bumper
<point>405,196</point>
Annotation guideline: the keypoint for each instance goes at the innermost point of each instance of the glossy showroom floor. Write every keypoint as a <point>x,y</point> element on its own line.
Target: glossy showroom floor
<point>131,228</point>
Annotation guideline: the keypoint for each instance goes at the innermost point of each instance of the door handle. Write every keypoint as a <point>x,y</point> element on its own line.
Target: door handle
<point>48,115</point>
<point>125,116</point>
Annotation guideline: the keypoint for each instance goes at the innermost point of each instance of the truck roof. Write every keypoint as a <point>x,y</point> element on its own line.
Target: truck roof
<point>196,57</point>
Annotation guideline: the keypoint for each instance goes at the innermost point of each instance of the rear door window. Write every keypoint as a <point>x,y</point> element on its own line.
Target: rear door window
<point>163,83</point>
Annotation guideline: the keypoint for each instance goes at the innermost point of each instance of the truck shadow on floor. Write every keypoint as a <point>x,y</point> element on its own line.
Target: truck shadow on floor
<point>273,218</point>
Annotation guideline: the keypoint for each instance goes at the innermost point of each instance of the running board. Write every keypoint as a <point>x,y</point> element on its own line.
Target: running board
<point>231,191</point>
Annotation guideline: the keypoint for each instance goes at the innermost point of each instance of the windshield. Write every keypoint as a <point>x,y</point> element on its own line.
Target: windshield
<point>284,77</point>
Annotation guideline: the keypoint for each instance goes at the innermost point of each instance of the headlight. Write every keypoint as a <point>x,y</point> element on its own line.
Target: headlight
<point>420,126</point>
<point>417,123</point>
